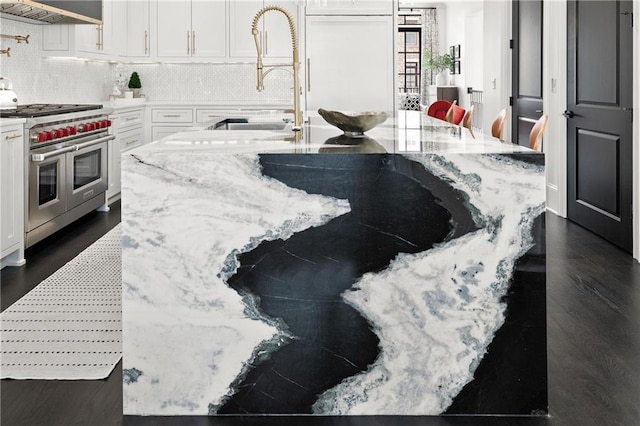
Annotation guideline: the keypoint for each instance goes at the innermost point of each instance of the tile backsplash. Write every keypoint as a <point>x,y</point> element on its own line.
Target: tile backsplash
<point>47,80</point>
<point>232,83</point>
<point>38,79</point>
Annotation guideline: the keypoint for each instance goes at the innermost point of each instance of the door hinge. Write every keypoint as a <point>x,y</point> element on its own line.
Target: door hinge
<point>511,44</point>
<point>510,100</point>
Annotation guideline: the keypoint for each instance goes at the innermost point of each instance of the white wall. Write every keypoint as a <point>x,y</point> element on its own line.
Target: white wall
<point>456,30</point>
<point>39,80</point>
<point>554,89</point>
<point>473,53</point>
<point>497,61</point>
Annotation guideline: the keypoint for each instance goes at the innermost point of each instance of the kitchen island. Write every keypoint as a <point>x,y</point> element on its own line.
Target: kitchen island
<point>266,272</point>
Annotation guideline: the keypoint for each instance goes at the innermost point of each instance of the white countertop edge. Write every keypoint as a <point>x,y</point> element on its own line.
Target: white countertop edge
<point>11,121</point>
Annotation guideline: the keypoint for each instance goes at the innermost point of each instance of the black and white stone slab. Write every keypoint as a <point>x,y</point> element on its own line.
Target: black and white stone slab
<point>333,284</point>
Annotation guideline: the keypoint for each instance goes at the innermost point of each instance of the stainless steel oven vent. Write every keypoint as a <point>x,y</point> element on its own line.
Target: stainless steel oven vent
<point>53,12</point>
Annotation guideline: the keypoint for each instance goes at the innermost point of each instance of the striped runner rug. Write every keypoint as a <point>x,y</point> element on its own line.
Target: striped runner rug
<point>69,326</point>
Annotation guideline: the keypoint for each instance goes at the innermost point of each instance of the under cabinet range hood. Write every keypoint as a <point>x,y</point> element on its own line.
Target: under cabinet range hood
<point>53,11</point>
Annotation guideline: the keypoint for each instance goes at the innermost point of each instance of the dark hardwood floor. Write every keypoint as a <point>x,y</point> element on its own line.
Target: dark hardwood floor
<point>593,304</point>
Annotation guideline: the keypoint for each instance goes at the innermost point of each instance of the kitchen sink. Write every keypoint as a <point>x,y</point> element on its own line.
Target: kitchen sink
<point>250,124</point>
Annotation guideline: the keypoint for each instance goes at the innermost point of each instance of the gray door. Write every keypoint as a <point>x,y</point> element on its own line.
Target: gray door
<point>527,68</point>
<point>599,117</point>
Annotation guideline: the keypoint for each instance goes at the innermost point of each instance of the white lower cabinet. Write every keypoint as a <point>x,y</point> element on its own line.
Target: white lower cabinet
<point>159,132</point>
<point>349,63</point>
<point>12,196</point>
<point>166,121</point>
<point>129,129</point>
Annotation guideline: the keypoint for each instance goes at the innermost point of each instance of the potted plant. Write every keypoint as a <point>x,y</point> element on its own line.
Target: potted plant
<point>135,85</point>
<point>438,64</point>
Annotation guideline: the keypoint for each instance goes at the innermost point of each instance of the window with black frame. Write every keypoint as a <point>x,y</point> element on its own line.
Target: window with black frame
<point>409,60</point>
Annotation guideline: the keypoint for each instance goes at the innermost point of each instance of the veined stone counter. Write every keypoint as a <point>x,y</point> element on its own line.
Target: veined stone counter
<point>270,274</point>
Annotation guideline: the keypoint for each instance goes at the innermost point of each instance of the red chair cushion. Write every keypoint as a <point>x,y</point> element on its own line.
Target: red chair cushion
<point>438,109</point>
<point>458,114</point>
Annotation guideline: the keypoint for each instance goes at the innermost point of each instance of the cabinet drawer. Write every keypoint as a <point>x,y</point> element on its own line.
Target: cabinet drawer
<point>129,119</point>
<point>182,115</point>
<point>130,139</point>
<point>204,115</point>
<point>159,132</point>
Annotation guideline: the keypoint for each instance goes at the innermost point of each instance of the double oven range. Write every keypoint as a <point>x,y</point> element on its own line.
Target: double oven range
<point>65,164</point>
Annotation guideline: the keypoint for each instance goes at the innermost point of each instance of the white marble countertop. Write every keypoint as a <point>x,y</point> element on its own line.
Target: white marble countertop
<point>224,105</point>
<point>11,121</point>
<point>406,132</point>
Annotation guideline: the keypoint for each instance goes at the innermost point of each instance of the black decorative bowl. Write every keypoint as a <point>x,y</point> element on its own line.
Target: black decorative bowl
<point>353,124</point>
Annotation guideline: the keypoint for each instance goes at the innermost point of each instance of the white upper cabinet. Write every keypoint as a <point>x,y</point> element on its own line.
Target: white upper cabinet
<point>349,63</point>
<point>277,35</point>
<point>349,7</point>
<point>273,29</point>
<point>138,29</point>
<point>191,29</point>
<point>108,38</point>
<point>106,41</point>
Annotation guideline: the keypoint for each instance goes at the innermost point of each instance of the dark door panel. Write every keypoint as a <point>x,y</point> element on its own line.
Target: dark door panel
<point>599,99</point>
<point>527,68</point>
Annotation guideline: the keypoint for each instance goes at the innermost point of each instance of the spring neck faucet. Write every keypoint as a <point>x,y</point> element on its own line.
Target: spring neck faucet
<point>297,119</point>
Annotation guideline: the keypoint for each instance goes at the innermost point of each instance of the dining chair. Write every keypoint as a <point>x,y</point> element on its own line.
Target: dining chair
<point>438,109</point>
<point>498,124</point>
<point>468,118</point>
<point>535,137</point>
<point>455,114</point>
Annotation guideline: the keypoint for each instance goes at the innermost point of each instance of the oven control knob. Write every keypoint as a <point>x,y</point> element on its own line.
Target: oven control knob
<point>108,123</point>
<point>66,132</point>
<point>102,124</point>
<point>42,137</point>
<point>84,127</point>
<point>93,126</point>
<point>50,135</point>
<point>59,133</point>
<point>72,130</point>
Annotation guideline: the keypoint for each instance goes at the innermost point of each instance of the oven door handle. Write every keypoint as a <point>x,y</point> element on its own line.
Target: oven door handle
<point>94,142</point>
<point>41,157</point>
<point>36,158</point>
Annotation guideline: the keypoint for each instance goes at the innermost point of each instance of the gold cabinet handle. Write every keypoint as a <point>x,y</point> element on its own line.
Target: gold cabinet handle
<point>131,118</point>
<point>193,43</point>
<point>146,42</point>
<point>171,115</point>
<point>98,35</point>
<point>14,136</point>
<point>131,141</point>
<point>188,42</point>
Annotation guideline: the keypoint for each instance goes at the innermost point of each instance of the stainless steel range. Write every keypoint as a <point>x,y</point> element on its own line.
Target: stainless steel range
<point>65,166</point>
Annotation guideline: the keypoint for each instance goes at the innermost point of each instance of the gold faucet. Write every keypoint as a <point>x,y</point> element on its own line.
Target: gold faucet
<point>297,114</point>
